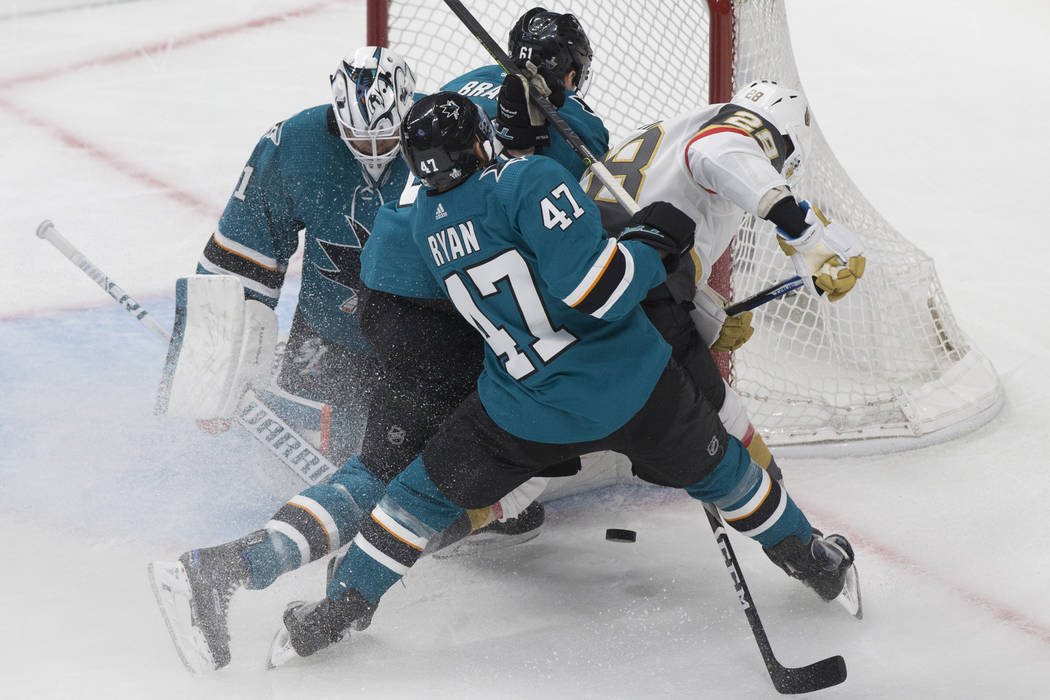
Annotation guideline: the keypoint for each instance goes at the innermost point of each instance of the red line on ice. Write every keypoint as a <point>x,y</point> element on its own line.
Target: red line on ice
<point>122,166</point>
<point>1016,619</point>
<point>150,49</point>
<point>119,164</point>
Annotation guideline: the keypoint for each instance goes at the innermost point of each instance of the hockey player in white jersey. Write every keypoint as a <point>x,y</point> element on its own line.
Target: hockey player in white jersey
<point>716,164</point>
<point>727,159</point>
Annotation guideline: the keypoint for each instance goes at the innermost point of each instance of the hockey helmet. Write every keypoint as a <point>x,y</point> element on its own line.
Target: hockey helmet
<point>371,93</point>
<point>788,111</point>
<point>438,137</point>
<point>555,43</point>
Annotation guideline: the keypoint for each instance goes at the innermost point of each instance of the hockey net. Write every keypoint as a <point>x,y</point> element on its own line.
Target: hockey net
<point>885,368</point>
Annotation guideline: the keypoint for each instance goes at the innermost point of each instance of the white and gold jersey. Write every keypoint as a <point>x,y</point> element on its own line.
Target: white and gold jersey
<point>714,164</point>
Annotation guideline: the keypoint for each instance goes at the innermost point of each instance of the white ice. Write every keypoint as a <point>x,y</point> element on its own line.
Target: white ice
<point>127,124</point>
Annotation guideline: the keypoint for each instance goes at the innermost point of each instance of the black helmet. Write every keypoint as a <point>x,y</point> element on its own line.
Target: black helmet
<point>555,43</point>
<point>438,136</point>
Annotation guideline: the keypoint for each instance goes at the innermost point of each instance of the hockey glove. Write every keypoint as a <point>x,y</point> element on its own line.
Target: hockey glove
<point>520,124</point>
<point>709,317</point>
<point>827,256</point>
<point>663,226</point>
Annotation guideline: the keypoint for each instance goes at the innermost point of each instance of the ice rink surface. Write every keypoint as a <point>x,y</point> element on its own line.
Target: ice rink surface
<point>128,124</point>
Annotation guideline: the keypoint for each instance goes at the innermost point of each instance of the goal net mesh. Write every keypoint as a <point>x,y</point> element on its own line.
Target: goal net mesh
<point>887,361</point>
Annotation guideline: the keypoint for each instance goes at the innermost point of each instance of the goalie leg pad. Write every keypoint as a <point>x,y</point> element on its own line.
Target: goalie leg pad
<point>220,345</point>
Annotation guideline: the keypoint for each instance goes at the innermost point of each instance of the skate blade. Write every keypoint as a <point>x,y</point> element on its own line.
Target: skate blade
<point>849,598</point>
<point>281,650</point>
<point>171,588</point>
<point>482,543</point>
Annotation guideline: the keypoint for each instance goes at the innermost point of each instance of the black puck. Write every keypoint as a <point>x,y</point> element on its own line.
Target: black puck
<point>617,535</point>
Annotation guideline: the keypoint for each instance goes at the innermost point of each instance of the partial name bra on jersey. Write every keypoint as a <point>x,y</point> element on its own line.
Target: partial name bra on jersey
<point>482,86</point>
<point>714,164</point>
<point>301,175</point>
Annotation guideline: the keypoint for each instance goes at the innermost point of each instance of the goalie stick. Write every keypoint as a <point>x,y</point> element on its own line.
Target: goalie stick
<point>589,159</point>
<point>787,680</point>
<point>822,674</point>
<point>254,415</point>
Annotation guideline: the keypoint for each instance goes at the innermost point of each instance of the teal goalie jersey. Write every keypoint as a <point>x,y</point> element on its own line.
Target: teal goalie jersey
<point>302,176</point>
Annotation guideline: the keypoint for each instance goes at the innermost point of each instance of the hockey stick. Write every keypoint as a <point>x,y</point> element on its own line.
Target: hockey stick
<point>787,680</point>
<point>595,164</point>
<point>821,674</point>
<point>255,416</point>
<point>766,295</point>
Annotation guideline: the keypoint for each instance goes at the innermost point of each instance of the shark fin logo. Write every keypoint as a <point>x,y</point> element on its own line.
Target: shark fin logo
<point>346,259</point>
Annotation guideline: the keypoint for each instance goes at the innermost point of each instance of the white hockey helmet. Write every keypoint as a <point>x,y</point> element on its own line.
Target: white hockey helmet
<point>371,93</point>
<point>788,111</point>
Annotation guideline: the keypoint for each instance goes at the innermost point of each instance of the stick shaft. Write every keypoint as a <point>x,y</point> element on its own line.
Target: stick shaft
<point>49,233</point>
<point>765,296</point>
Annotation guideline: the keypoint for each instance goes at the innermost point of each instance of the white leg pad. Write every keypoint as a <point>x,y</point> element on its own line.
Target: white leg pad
<point>220,345</point>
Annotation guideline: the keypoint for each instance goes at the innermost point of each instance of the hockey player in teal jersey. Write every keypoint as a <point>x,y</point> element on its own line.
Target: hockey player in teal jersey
<point>325,170</point>
<point>572,365</point>
<point>436,359</point>
<point>429,354</point>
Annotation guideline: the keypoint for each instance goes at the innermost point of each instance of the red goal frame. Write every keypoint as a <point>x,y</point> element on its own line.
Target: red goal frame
<point>720,89</point>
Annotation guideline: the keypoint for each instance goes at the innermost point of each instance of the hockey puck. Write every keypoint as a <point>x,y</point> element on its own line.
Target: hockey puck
<point>616,535</point>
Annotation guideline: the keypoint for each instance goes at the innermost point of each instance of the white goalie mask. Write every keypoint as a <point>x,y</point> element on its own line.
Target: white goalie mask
<point>788,111</point>
<point>371,93</point>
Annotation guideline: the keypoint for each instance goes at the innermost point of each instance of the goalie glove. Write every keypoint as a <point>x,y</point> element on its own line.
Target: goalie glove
<point>721,332</point>
<point>827,255</point>
<point>520,124</point>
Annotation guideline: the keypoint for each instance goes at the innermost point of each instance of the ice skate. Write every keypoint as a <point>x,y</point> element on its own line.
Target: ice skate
<point>310,627</point>
<point>194,594</point>
<point>360,624</point>
<point>495,535</point>
<point>825,564</point>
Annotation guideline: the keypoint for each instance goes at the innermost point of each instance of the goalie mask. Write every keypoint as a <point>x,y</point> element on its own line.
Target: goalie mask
<point>371,93</point>
<point>438,138</point>
<point>555,43</point>
<point>788,111</point>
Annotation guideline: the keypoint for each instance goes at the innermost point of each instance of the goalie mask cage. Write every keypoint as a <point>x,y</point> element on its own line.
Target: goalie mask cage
<point>885,368</point>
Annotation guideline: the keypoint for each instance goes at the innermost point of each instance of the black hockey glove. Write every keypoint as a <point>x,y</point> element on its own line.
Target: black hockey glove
<point>663,226</point>
<point>519,125</point>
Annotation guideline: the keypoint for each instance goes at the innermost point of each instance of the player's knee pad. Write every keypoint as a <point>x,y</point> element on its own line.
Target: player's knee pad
<point>324,517</point>
<point>414,497</point>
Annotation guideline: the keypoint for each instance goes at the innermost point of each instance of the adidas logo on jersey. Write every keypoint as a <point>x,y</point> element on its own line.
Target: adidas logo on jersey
<point>440,212</point>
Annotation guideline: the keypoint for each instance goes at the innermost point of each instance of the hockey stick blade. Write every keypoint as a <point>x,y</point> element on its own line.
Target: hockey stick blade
<point>787,680</point>
<point>806,679</point>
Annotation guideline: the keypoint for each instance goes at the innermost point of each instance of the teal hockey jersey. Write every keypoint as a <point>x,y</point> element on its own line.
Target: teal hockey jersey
<point>520,250</point>
<point>390,262</point>
<point>302,176</point>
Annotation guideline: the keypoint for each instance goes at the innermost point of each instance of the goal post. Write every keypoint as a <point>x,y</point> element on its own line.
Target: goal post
<point>887,367</point>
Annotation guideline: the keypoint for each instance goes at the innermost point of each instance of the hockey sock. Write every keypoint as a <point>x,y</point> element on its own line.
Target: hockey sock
<point>314,523</point>
<point>750,500</point>
<point>394,536</point>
